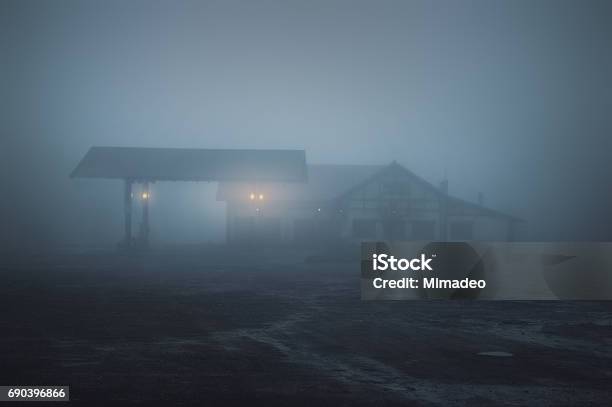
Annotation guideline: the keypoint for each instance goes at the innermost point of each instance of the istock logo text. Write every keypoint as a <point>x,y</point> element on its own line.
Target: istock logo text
<point>382,262</point>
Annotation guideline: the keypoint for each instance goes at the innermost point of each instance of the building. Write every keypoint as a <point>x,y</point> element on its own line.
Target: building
<point>357,203</point>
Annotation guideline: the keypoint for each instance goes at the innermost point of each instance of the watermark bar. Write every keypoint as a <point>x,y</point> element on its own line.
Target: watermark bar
<point>417,270</point>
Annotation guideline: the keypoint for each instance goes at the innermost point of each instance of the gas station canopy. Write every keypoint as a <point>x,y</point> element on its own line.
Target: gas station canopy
<point>185,164</point>
<point>146,165</point>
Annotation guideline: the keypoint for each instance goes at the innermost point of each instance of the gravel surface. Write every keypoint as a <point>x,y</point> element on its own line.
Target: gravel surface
<point>213,326</point>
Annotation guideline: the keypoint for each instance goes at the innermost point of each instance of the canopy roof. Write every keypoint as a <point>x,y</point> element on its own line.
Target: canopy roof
<point>185,164</point>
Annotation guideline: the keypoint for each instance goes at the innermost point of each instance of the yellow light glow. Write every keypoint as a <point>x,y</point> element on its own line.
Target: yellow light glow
<point>145,195</point>
<point>252,196</point>
<point>261,197</point>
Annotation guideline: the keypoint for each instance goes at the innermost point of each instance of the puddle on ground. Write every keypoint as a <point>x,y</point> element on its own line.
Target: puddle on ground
<point>497,354</point>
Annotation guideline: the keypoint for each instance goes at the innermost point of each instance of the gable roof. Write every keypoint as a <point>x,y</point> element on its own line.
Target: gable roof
<point>383,170</point>
<point>452,201</point>
<point>183,164</point>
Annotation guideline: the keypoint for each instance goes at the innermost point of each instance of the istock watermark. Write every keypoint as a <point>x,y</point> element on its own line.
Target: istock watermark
<point>384,262</point>
<point>486,270</point>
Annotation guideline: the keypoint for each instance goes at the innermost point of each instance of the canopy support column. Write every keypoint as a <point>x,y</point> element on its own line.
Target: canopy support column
<point>127,210</point>
<point>144,237</point>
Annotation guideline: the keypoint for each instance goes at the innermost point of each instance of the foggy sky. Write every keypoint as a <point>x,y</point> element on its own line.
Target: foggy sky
<point>511,98</point>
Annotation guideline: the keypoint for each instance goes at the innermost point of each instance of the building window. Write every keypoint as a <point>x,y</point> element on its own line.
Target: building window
<point>423,230</point>
<point>364,228</point>
<point>394,230</point>
<point>463,230</point>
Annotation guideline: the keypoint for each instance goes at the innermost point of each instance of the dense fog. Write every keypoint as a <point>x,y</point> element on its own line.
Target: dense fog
<point>508,98</point>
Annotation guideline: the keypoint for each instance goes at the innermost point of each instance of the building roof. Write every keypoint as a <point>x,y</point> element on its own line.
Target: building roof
<point>453,202</point>
<point>334,182</point>
<point>182,164</point>
<point>325,183</point>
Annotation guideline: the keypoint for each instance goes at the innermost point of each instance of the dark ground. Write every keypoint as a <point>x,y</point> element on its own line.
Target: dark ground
<point>208,326</point>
